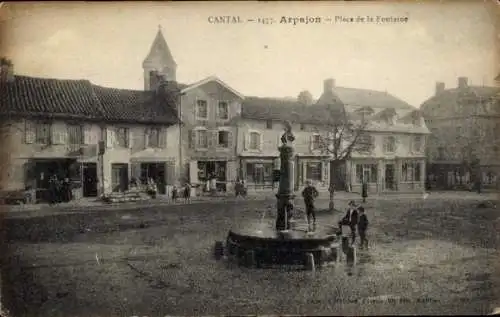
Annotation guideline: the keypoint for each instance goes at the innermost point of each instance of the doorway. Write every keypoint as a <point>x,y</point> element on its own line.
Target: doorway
<point>156,171</point>
<point>119,177</point>
<point>389,176</point>
<point>90,180</point>
<point>206,169</point>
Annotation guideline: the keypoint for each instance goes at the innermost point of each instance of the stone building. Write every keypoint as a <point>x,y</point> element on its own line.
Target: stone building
<point>55,128</point>
<point>395,161</point>
<point>464,147</point>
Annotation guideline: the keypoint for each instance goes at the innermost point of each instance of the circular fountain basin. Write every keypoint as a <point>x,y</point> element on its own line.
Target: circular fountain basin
<point>259,244</point>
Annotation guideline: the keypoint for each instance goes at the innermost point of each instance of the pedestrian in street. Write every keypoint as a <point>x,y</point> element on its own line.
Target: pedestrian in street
<point>351,219</point>
<point>364,190</point>
<point>362,227</point>
<point>174,194</point>
<point>309,194</point>
<point>53,192</point>
<point>187,193</point>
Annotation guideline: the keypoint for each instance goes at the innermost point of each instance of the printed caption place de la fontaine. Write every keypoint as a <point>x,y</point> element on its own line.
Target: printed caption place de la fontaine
<point>295,20</point>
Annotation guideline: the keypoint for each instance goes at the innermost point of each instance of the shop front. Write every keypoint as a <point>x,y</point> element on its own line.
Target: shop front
<point>313,168</point>
<point>257,172</point>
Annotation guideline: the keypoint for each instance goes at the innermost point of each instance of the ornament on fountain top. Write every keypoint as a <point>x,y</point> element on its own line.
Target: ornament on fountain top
<point>288,135</point>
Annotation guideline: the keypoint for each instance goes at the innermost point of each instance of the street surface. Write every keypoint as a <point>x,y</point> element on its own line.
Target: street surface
<point>426,256</point>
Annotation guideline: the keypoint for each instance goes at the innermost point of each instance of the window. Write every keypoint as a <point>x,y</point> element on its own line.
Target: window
<point>366,172</point>
<point>390,144</point>
<point>313,171</point>
<point>223,111</point>
<point>201,109</point>
<point>410,171</point>
<point>254,141</point>
<point>122,137</point>
<point>42,133</point>
<point>154,137</point>
<point>259,173</point>
<point>75,134</point>
<point>269,124</point>
<point>316,142</point>
<point>202,139</point>
<point>223,137</point>
<point>417,144</point>
<point>365,143</point>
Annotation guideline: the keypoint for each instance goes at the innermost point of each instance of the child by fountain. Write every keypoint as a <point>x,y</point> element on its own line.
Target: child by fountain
<point>310,193</point>
<point>362,227</point>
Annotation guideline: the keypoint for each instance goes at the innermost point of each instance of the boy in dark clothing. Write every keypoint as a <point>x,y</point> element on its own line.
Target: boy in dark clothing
<point>351,219</point>
<point>364,191</point>
<point>362,227</point>
<point>310,193</point>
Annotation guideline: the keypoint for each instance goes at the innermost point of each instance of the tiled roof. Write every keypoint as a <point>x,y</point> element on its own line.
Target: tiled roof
<point>350,99</point>
<point>80,99</point>
<point>450,97</point>
<point>136,105</point>
<point>282,109</point>
<point>49,97</point>
<point>369,98</point>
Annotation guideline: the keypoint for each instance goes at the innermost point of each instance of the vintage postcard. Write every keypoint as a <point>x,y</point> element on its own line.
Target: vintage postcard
<point>235,158</point>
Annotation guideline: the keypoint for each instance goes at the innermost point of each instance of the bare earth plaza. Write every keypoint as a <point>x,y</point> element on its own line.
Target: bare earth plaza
<point>328,173</point>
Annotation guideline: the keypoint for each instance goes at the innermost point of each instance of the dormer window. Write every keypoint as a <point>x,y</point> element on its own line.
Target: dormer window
<point>364,113</point>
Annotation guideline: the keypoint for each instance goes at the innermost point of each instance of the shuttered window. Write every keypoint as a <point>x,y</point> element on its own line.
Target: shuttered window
<point>42,133</point>
<point>154,137</point>
<point>75,134</point>
<point>121,137</point>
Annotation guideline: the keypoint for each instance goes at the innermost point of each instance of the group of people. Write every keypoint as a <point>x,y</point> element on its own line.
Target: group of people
<point>185,192</point>
<point>59,190</point>
<point>355,218</point>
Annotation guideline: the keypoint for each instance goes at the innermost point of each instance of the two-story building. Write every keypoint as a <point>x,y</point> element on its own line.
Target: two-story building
<point>396,130</point>
<point>465,142</point>
<point>55,128</point>
<point>210,113</point>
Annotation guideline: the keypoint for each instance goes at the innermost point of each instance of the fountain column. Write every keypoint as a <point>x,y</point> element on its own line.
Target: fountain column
<point>285,194</point>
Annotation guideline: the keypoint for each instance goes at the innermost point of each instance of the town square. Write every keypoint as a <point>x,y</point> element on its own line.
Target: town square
<point>171,167</point>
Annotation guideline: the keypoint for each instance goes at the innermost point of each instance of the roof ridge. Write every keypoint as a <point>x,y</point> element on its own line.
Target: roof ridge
<point>51,78</point>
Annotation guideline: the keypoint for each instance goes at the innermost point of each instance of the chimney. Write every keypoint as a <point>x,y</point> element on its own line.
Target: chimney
<point>328,85</point>
<point>439,87</point>
<point>6,70</point>
<point>462,82</point>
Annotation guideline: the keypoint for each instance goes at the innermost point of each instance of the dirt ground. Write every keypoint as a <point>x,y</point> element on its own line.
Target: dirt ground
<point>431,256</point>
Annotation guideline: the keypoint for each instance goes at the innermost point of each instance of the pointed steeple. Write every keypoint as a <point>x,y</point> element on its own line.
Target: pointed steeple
<point>159,62</point>
<point>160,49</point>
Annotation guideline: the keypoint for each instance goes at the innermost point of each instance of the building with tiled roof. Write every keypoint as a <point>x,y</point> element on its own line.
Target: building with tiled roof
<point>464,148</point>
<point>399,165</point>
<point>102,139</point>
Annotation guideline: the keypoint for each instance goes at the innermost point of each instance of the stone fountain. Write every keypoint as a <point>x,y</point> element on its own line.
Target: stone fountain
<point>284,242</point>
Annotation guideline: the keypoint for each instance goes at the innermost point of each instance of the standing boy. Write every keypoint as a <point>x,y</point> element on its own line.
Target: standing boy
<point>351,219</point>
<point>310,193</point>
<point>364,190</point>
<point>362,227</point>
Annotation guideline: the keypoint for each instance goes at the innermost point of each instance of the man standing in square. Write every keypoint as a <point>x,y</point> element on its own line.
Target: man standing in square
<point>310,193</point>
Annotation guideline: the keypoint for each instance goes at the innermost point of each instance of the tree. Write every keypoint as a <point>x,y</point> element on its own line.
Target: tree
<point>339,137</point>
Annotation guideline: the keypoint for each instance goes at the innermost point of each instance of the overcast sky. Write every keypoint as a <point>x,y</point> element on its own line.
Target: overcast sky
<point>106,43</point>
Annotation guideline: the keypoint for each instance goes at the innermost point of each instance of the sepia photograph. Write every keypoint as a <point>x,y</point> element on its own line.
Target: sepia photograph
<point>249,158</point>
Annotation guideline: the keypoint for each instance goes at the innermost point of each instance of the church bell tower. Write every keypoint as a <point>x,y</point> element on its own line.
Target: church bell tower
<point>158,63</point>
